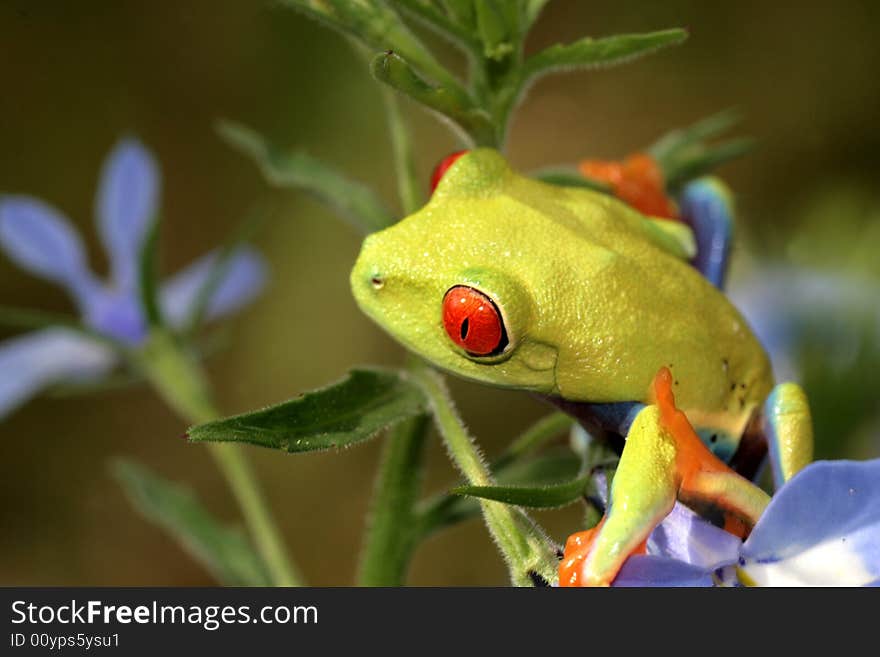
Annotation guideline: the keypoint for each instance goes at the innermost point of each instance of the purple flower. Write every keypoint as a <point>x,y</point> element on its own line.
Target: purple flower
<point>821,529</point>
<point>42,241</point>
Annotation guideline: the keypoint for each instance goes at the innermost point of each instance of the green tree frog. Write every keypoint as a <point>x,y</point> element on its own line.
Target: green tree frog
<point>574,295</point>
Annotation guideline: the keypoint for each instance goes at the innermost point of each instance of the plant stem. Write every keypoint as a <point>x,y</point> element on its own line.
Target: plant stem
<point>181,383</point>
<point>408,188</point>
<point>390,539</point>
<point>527,551</point>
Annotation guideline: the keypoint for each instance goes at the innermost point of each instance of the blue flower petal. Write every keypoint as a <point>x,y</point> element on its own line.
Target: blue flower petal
<point>33,361</point>
<point>783,303</point>
<point>821,528</point>
<point>649,570</point>
<point>119,315</point>
<point>243,279</point>
<point>685,536</point>
<point>39,239</point>
<point>127,203</point>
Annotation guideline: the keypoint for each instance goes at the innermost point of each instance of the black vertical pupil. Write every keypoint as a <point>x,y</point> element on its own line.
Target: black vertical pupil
<point>464,329</point>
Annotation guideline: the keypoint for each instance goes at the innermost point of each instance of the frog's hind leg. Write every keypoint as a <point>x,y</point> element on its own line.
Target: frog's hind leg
<point>706,205</point>
<point>663,460</point>
<point>788,429</point>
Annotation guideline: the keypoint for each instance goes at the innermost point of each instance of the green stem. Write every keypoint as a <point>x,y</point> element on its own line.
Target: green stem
<point>390,540</point>
<point>408,188</point>
<point>181,383</point>
<point>440,511</point>
<point>527,551</point>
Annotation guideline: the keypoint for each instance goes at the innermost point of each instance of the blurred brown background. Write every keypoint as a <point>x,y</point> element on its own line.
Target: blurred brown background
<point>77,76</point>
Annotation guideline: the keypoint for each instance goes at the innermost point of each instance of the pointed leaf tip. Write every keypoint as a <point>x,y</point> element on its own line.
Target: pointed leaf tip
<point>539,497</point>
<point>342,414</point>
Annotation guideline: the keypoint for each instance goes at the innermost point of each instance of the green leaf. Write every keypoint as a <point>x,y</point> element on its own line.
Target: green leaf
<point>462,11</point>
<point>532,9</point>
<point>683,154</point>
<point>225,552</point>
<point>593,53</point>
<point>569,178</point>
<point>681,139</point>
<point>353,201</point>
<point>540,497</point>
<point>550,468</point>
<point>498,25</point>
<point>339,415</point>
<point>474,123</point>
<point>378,26</point>
<point>436,18</point>
<point>692,165</point>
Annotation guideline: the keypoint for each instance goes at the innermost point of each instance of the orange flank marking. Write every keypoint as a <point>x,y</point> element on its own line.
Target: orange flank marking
<point>637,181</point>
<point>692,455</point>
<point>692,459</point>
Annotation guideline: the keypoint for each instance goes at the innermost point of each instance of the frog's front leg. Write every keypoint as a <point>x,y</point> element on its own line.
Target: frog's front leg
<point>788,429</point>
<point>643,492</point>
<point>663,460</point>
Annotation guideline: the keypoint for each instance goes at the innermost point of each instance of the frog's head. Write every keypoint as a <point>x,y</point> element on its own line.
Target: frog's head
<point>453,282</point>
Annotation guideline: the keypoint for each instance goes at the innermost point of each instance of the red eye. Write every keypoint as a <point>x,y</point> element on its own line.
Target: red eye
<point>473,322</point>
<point>441,168</point>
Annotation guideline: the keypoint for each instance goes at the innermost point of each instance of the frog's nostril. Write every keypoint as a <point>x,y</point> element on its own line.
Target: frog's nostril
<point>377,282</point>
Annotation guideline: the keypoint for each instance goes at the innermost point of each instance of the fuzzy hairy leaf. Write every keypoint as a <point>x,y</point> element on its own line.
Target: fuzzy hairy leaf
<point>547,469</point>
<point>569,178</point>
<point>593,53</point>
<point>498,25</point>
<point>353,201</point>
<point>378,26</point>
<point>532,9</point>
<point>440,19</point>
<point>396,72</point>
<point>225,552</point>
<point>686,153</point>
<point>681,139</point>
<point>537,497</point>
<point>348,412</point>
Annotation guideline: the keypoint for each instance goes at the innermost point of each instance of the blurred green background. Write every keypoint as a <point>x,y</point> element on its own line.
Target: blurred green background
<point>78,76</point>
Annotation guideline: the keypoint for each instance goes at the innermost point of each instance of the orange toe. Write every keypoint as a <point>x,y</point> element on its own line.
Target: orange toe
<point>577,548</point>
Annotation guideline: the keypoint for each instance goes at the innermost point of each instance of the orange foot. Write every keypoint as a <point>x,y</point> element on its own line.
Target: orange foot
<point>693,459</point>
<point>577,548</point>
<point>638,181</point>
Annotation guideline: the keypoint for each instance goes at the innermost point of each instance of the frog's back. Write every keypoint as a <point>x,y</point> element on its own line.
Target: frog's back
<point>639,308</point>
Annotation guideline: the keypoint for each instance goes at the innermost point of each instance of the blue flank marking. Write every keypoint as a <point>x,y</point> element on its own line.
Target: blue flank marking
<point>724,446</point>
<point>619,416</point>
<point>616,416</point>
